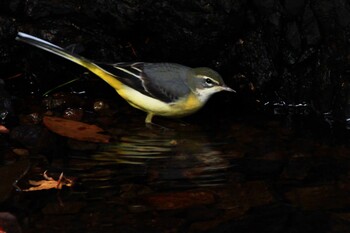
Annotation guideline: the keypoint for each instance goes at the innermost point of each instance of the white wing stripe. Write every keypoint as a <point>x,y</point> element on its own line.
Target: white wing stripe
<point>137,69</point>
<point>128,72</point>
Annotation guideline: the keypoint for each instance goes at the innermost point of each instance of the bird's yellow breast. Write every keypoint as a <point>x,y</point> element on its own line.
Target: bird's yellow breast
<point>183,107</point>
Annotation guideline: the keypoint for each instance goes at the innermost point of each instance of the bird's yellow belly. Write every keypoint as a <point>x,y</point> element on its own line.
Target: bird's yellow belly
<point>157,107</point>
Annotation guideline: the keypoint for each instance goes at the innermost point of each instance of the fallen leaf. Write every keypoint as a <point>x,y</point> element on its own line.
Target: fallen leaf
<point>49,183</point>
<point>75,129</point>
<point>3,129</point>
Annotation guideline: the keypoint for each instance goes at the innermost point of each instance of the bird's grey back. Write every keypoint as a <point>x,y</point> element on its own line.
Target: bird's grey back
<point>167,81</point>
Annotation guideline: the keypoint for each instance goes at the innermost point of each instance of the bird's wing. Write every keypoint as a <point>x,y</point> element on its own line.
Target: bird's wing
<point>163,81</point>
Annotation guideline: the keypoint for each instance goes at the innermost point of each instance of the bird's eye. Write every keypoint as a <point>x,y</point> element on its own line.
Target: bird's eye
<point>209,81</point>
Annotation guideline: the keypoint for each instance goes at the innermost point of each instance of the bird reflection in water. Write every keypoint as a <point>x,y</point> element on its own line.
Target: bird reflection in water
<point>173,159</point>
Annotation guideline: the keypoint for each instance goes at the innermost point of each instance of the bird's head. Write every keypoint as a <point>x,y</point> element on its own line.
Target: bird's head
<point>204,82</point>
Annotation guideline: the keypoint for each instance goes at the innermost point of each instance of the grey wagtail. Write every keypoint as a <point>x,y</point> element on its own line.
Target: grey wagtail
<point>162,89</point>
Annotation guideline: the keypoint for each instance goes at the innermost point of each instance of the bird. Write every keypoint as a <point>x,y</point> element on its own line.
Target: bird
<point>159,89</point>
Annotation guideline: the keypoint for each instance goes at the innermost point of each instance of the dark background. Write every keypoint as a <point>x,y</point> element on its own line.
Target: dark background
<point>284,57</point>
<point>287,59</point>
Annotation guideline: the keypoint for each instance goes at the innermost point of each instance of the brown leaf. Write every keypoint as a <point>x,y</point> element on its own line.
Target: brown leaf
<point>3,129</point>
<point>49,183</point>
<point>75,129</point>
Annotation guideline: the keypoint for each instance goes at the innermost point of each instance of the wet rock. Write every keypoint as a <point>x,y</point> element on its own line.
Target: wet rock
<point>75,114</point>
<point>234,202</point>
<point>294,8</point>
<point>310,27</point>
<point>275,219</point>
<point>9,223</point>
<point>6,109</point>
<point>201,213</point>
<point>296,170</point>
<point>63,100</point>
<point>67,208</point>
<point>260,167</point>
<point>38,140</point>
<point>165,224</point>
<point>293,36</point>
<point>265,7</point>
<point>324,197</point>
<point>31,119</point>
<point>180,200</point>
<point>254,58</point>
<point>23,84</point>
<point>242,197</point>
<point>133,190</point>
<point>36,9</point>
<point>28,135</point>
<point>137,208</point>
<point>51,103</point>
<point>315,170</point>
<point>100,106</point>
<point>21,152</point>
<point>7,33</point>
<point>196,25</point>
<point>81,146</point>
<point>10,174</point>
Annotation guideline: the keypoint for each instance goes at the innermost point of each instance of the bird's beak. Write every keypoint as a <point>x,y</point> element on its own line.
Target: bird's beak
<point>226,88</point>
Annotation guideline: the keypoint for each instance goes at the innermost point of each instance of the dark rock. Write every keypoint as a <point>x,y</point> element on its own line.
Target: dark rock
<point>265,7</point>
<point>255,59</point>
<point>201,213</point>
<point>323,197</point>
<point>7,29</point>
<point>180,200</point>
<point>276,219</point>
<point>293,35</point>
<point>10,174</point>
<point>291,52</point>
<point>294,7</point>
<point>7,33</point>
<point>28,135</point>
<point>39,140</point>
<point>36,9</point>
<point>310,27</point>
<point>9,223</point>
<point>6,109</point>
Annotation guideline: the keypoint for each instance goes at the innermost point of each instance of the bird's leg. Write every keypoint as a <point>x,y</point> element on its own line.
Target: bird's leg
<point>150,124</point>
<point>149,118</point>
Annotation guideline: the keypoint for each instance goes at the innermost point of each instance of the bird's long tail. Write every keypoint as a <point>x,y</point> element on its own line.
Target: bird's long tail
<point>45,45</point>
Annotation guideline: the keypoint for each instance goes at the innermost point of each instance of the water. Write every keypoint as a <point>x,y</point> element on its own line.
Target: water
<point>163,160</point>
<point>243,176</point>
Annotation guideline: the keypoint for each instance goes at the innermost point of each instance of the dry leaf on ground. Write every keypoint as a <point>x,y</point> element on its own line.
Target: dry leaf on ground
<point>3,129</point>
<point>75,129</point>
<point>49,183</point>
